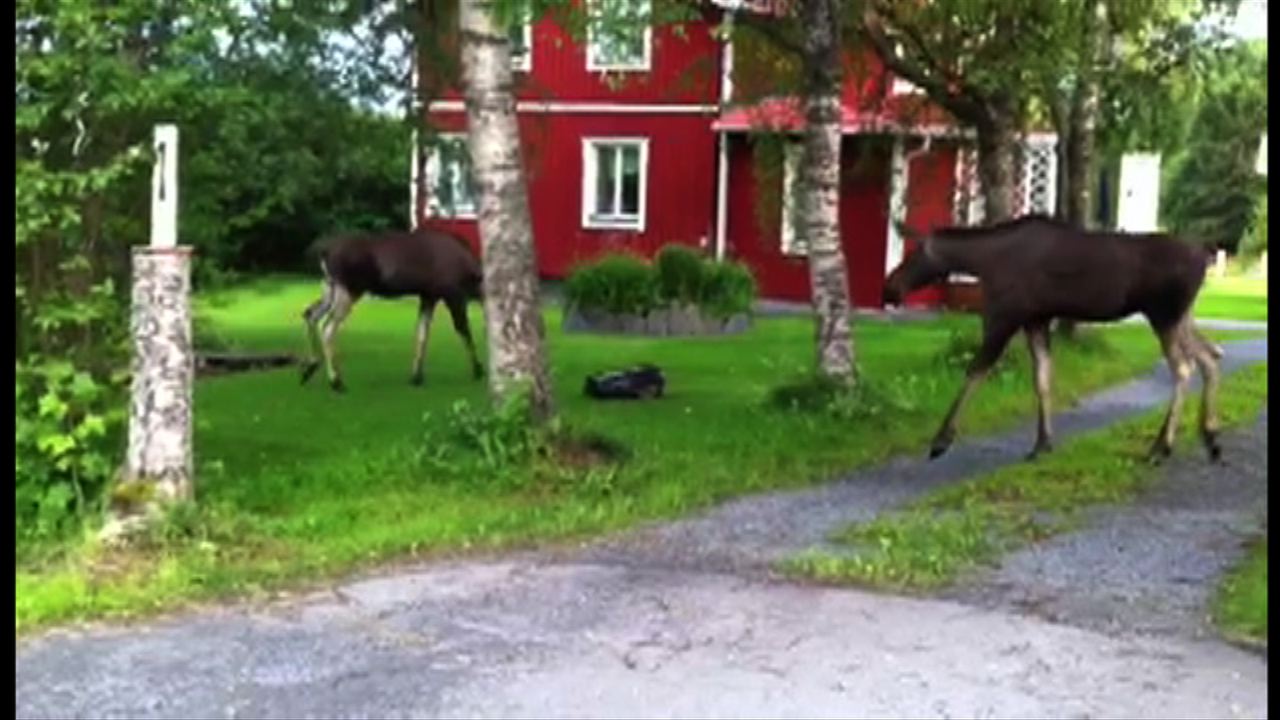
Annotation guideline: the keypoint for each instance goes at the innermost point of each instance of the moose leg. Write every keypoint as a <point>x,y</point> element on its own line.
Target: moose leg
<point>1038,342</point>
<point>312,317</point>
<point>458,311</point>
<point>1205,358</point>
<point>994,340</point>
<point>342,302</point>
<point>1180,366</point>
<point>425,310</point>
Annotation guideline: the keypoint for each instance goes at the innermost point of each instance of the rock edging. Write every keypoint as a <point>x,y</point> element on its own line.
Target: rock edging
<point>684,320</point>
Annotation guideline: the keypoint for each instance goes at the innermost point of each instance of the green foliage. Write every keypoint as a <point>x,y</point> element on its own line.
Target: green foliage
<point>1213,189</point>
<point>622,283</point>
<point>1255,240</point>
<point>680,273</point>
<point>616,283</point>
<point>67,432</point>
<point>1240,604</point>
<point>863,400</point>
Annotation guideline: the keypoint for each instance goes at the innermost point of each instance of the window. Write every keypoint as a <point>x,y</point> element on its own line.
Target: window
<point>792,244</point>
<point>521,35</point>
<point>615,173</point>
<point>449,181</point>
<point>619,35</point>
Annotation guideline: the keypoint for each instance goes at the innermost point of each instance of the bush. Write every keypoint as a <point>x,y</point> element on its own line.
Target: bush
<point>617,284</point>
<point>1255,239</point>
<point>728,288</point>
<point>680,275</point>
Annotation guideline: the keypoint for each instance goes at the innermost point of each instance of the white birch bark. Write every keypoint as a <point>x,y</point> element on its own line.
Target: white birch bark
<point>513,320</point>
<point>819,208</point>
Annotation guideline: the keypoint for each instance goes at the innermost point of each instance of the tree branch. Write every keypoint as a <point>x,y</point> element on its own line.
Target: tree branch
<point>964,108</point>
<point>769,29</point>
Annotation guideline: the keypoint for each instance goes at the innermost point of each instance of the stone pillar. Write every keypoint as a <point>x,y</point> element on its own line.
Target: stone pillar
<point>158,466</point>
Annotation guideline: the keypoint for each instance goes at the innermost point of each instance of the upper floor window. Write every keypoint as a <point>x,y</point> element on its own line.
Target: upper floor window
<point>619,36</point>
<point>521,35</point>
<point>614,180</point>
<point>449,182</point>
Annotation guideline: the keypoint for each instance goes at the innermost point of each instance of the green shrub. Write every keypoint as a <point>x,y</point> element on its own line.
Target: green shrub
<point>1255,238</point>
<point>617,284</point>
<point>625,284</point>
<point>728,288</point>
<point>681,274</point>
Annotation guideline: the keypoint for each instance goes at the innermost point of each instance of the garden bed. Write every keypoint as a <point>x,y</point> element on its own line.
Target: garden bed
<point>663,322</point>
<point>680,293</point>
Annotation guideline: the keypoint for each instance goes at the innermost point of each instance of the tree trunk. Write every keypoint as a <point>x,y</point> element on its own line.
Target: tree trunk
<point>1061,114</point>
<point>997,153</point>
<point>513,319</point>
<point>1082,122</point>
<point>1083,119</point>
<point>819,207</point>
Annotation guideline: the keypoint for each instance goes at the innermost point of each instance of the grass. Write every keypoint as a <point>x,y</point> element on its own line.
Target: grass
<point>297,484</point>
<point>1234,297</point>
<point>1240,606</point>
<point>930,542</point>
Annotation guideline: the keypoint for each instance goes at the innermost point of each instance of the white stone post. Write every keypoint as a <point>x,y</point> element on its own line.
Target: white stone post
<point>158,463</point>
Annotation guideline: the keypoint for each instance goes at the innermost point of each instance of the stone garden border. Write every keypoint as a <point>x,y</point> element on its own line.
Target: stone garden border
<point>674,321</point>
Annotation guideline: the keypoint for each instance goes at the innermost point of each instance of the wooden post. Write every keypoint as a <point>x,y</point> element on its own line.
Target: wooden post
<point>158,463</point>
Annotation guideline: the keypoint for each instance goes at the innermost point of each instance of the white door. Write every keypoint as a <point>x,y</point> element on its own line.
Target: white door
<point>1139,205</point>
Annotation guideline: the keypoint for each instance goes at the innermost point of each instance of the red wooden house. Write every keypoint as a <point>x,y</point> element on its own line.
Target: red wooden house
<point>636,139</point>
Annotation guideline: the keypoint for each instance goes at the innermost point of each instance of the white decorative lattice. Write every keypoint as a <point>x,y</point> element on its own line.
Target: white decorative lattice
<point>1035,177</point>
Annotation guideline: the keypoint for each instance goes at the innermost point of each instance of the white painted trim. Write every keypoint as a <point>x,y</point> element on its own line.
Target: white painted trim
<point>164,188</point>
<point>646,62</point>
<point>432,172</point>
<point>589,185</point>
<point>587,107</point>
<point>899,177</point>
<point>722,143</point>
<point>791,158</point>
<point>413,182</point>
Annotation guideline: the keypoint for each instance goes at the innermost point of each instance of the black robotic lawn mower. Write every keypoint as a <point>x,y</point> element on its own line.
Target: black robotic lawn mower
<point>638,383</point>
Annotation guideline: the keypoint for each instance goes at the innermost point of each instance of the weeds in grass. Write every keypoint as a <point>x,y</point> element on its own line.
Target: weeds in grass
<point>1240,604</point>
<point>931,541</point>
<point>863,400</point>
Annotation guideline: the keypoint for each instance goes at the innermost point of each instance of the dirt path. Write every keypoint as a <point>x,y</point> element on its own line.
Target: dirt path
<point>684,620</point>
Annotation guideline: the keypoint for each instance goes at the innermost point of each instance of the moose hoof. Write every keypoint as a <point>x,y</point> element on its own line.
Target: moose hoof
<point>308,370</point>
<point>938,447</point>
<point>477,372</point>
<point>1159,453</point>
<point>1212,446</point>
<point>337,385</point>
<point>1037,451</point>
<point>416,379</point>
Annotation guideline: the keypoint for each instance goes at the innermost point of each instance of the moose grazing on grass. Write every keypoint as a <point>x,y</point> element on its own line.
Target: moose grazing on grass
<point>430,264</point>
<point>1035,269</point>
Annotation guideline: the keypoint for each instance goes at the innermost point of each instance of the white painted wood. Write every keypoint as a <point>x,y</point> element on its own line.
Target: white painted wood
<point>1139,205</point>
<point>589,182</point>
<point>899,172</point>
<point>589,107</point>
<point>722,143</point>
<point>164,188</point>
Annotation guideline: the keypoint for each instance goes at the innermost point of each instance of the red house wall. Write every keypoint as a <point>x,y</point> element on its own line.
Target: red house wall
<point>757,241</point>
<point>680,199</point>
<point>930,201</point>
<point>684,68</point>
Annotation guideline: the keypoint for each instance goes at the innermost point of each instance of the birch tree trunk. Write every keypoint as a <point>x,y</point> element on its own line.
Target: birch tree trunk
<point>1083,120</point>
<point>818,220</point>
<point>513,320</point>
<point>997,145</point>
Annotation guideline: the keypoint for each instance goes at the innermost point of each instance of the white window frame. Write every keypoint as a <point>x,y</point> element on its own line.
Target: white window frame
<point>590,180</point>
<point>433,170</point>
<point>793,149</point>
<point>524,61</point>
<point>645,62</point>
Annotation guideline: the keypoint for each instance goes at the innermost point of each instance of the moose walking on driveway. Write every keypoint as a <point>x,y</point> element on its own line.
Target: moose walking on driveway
<point>1035,269</point>
<point>430,264</point>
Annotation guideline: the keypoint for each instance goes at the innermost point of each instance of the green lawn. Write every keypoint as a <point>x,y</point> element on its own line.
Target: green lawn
<point>934,539</point>
<point>1240,607</point>
<point>297,483</point>
<point>1234,297</point>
